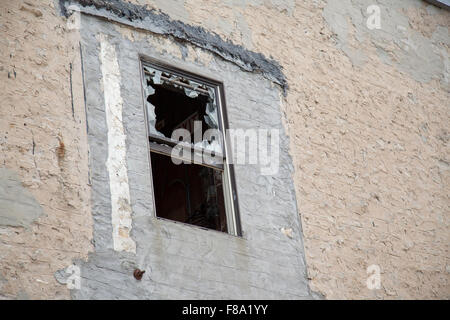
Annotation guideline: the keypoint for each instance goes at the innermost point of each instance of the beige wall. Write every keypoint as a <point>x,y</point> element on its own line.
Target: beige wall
<point>36,109</point>
<point>367,113</point>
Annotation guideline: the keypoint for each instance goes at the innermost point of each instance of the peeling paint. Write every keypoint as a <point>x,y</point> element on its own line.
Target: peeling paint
<point>116,162</point>
<point>18,207</point>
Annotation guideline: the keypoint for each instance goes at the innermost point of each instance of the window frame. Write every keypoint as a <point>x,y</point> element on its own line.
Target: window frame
<point>229,182</point>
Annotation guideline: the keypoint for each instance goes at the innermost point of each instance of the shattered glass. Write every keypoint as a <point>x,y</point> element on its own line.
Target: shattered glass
<point>156,79</point>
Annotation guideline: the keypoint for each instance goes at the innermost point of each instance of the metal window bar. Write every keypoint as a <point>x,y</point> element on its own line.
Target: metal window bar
<point>186,85</point>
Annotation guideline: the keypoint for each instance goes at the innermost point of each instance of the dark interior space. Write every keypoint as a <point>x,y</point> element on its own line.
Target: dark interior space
<point>174,109</point>
<point>188,193</point>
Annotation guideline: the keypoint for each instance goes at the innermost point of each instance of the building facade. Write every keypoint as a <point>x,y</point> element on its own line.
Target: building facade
<point>349,202</point>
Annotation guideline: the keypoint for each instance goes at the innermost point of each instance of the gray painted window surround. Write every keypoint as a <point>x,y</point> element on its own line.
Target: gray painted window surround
<point>182,261</point>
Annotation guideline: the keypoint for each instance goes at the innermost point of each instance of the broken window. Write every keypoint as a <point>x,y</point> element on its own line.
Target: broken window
<point>192,181</point>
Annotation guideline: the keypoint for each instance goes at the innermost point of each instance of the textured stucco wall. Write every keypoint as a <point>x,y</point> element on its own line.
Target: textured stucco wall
<point>43,152</point>
<point>366,112</point>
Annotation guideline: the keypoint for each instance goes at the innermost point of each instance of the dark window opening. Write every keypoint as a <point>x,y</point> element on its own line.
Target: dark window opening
<point>174,110</point>
<point>188,193</point>
<point>175,102</point>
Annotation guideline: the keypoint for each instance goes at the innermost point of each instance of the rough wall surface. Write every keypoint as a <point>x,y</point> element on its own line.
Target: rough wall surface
<point>43,152</point>
<point>367,113</point>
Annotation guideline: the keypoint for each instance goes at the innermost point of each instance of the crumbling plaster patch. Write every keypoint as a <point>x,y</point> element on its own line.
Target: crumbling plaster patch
<point>396,42</point>
<point>18,208</point>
